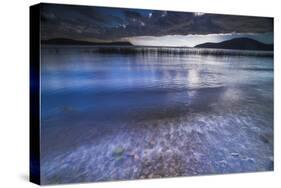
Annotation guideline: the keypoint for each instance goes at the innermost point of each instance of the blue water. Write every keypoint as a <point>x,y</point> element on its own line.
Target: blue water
<point>150,115</point>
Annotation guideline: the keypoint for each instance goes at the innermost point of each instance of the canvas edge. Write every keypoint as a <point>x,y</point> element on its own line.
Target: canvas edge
<point>34,94</point>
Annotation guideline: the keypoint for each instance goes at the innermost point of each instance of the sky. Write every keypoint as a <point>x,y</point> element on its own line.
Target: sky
<point>148,27</point>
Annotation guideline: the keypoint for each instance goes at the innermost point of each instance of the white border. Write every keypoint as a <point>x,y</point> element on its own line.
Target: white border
<point>14,80</point>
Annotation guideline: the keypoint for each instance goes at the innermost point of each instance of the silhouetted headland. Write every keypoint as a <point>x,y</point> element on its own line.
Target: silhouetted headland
<point>238,44</point>
<point>65,41</point>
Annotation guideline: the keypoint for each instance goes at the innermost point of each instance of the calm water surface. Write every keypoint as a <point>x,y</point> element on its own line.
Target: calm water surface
<point>116,116</point>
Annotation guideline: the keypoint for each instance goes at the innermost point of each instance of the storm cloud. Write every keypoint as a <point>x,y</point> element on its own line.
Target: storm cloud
<point>103,23</point>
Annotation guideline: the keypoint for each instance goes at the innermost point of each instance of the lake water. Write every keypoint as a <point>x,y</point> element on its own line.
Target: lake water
<point>149,115</point>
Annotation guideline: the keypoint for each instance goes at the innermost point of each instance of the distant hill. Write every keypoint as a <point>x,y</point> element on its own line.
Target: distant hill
<point>238,44</point>
<point>64,41</point>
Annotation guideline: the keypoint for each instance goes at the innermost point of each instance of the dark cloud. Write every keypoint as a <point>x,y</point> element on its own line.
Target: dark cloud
<point>132,14</point>
<point>87,22</point>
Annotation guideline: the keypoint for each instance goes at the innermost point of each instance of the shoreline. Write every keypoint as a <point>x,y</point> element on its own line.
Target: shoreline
<point>164,50</point>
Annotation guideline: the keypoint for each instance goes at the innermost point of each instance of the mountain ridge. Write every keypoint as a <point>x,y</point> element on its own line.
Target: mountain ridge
<point>66,41</point>
<point>238,44</point>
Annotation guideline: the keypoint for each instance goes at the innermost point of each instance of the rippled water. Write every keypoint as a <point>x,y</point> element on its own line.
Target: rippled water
<point>113,116</point>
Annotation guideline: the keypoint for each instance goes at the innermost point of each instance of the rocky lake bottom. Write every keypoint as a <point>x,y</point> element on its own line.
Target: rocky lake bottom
<point>119,117</point>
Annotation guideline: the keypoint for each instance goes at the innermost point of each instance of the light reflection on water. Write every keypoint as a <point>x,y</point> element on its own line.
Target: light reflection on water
<point>182,115</point>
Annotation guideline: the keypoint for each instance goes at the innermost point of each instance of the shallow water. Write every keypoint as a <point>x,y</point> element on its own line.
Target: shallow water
<point>118,116</point>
